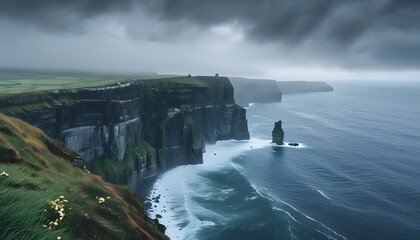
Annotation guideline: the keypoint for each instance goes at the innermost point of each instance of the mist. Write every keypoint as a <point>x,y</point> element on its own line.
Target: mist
<point>285,40</point>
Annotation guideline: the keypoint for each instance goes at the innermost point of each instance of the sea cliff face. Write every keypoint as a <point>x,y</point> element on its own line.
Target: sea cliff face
<point>288,87</point>
<point>132,130</point>
<point>255,91</point>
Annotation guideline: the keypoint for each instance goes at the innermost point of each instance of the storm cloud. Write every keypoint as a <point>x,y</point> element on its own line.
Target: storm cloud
<point>360,34</point>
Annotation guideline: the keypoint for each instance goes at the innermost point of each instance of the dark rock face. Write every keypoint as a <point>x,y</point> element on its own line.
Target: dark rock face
<point>130,131</point>
<point>278,133</point>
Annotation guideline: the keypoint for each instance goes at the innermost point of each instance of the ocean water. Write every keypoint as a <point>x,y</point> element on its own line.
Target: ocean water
<point>356,174</point>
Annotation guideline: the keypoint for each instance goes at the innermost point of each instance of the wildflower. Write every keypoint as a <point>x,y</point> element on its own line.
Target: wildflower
<point>58,238</point>
<point>57,209</point>
<point>4,174</point>
<point>107,198</point>
<point>101,200</point>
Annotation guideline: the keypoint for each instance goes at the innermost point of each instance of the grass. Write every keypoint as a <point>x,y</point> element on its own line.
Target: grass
<point>145,149</point>
<point>16,82</point>
<point>196,143</point>
<point>51,103</point>
<point>199,81</point>
<point>188,119</point>
<point>39,176</point>
<point>22,210</point>
<point>105,165</point>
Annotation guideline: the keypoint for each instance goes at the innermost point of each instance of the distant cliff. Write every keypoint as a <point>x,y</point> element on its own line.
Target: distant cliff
<point>255,91</point>
<point>266,91</point>
<point>287,87</point>
<point>131,130</point>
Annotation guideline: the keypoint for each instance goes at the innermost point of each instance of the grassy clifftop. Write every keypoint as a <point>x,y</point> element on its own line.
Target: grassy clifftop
<point>44,196</point>
<point>15,82</point>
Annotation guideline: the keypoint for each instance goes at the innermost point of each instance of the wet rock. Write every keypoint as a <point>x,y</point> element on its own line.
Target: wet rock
<point>147,204</point>
<point>160,227</point>
<point>277,133</point>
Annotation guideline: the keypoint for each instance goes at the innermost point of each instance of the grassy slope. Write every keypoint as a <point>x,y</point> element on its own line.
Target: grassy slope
<point>39,176</point>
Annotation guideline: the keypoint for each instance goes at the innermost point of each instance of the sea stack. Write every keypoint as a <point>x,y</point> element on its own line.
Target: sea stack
<point>278,133</point>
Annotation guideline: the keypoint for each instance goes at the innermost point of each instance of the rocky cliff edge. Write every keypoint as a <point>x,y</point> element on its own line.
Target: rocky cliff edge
<point>131,130</point>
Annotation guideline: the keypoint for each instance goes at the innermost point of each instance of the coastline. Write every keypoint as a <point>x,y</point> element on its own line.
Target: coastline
<point>182,217</point>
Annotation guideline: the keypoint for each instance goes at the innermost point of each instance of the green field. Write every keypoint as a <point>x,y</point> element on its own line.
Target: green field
<point>15,82</point>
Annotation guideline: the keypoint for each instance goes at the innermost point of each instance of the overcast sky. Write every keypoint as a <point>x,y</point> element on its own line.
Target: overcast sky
<point>256,38</point>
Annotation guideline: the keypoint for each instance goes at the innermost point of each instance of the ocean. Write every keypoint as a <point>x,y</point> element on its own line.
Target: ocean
<point>355,175</point>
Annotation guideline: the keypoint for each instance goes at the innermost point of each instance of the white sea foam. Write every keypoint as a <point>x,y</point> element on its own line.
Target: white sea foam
<point>180,213</point>
<point>323,194</point>
<point>286,145</point>
<point>326,230</point>
<point>251,198</point>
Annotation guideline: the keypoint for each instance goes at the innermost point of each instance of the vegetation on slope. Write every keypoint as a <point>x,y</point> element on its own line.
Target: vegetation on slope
<point>51,103</point>
<point>43,196</point>
<point>105,165</point>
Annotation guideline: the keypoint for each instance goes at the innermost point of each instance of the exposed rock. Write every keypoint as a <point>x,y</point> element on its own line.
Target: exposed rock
<point>138,127</point>
<point>160,227</point>
<point>147,205</point>
<point>278,133</point>
<point>293,144</point>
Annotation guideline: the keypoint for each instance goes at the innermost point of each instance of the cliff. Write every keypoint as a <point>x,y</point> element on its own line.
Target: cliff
<point>267,91</point>
<point>255,91</point>
<point>46,194</point>
<point>288,87</point>
<point>131,130</point>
